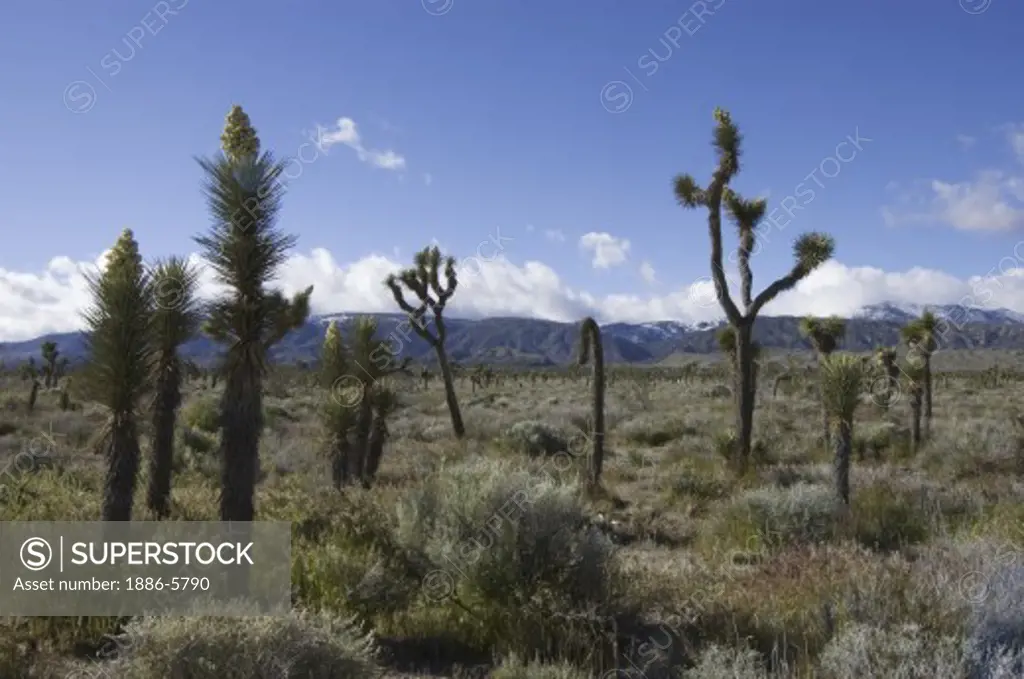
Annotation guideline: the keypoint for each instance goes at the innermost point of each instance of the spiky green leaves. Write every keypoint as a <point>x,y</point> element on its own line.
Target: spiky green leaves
<point>118,332</point>
<point>688,192</point>
<point>812,250</point>
<point>239,141</point>
<point>727,140</point>
<point>843,380</point>
<point>823,333</point>
<point>245,249</point>
<point>177,312</point>
<point>745,213</point>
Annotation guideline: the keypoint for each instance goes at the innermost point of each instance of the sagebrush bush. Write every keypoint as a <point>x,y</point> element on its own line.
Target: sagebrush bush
<point>201,413</point>
<point>772,517</point>
<point>302,644</point>
<point>906,652</point>
<point>514,667</point>
<point>995,644</point>
<point>516,550</point>
<point>537,438</point>
<point>728,662</point>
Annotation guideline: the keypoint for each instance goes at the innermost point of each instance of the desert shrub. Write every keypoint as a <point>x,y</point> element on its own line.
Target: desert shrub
<point>995,645</point>
<point>728,662</point>
<point>202,414</point>
<point>700,484</point>
<point>537,438</point>
<point>313,646</point>
<point>886,520</point>
<point>772,517</point>
<point>907,652</point>
<point>515,668</point>
<point>648,431</point>
<point>881,440</point>
<point>515,549</point>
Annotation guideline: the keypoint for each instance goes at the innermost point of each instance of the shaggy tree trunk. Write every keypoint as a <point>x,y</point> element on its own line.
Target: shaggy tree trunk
<point>363,424</point>
<point>842,446</point>
<point>375,451</point>
<point>449,392</point>
<point>340,454</point>
<point>915,422</point>
<point>927,395</point>
<point>162,455</point>
<point>745,393</point>
<point>123,466</point>
<point>241,424</point>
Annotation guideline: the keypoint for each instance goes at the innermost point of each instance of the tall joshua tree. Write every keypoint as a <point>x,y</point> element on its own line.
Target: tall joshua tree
<point>423,279</point>
<point>842,382</point>
<point>811,250</point>
<point>244,248</point>
<point>590,342</point>
<point>177,316</point>
<point>50,353</point>
<point>120,366</point>
<point>824,335</point>
<point>920,336</point>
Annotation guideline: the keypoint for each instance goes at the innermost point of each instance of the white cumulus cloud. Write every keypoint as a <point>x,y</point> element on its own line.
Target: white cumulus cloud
<point>52,300</point>
<point>606,250</point>
<point>346,133</point>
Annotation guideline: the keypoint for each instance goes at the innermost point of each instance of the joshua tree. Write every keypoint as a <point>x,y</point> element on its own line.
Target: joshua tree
<point>824,335</point>
<point>920,336</point>
<point>424,280</point>
<point>49,352</point>
<point>914,384</point>
<point>810,250</point>
<point>118,374</point>
<point>244,248</point>
<point>841,385</point>
<point>590,341</point>
<point>33,394</point>
<point>355,414</point>
<point>727,345</point>
<point>176,319</point>
<point>886,360</point>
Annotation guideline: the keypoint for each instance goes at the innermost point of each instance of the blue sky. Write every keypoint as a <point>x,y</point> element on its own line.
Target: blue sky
<point>477,119</point>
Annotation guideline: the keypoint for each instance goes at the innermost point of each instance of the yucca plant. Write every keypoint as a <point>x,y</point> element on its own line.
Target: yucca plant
<point>810,251</point>
<point>423,279</point>
<point>177,316</point>
<point>824,335</point>
<point>590,343</point>
<point>245,250</point>
<point>885,358</point>
<point>913,385</point>
<point>359,401</point>
<point>920,336</point>
<point>842,382</point>
<point>119,370</point>
<point>49,353</point>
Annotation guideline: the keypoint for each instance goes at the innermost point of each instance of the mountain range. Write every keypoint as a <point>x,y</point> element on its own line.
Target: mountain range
<point>526,341</point>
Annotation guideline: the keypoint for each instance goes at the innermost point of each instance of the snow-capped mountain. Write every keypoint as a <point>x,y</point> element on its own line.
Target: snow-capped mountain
<point>954,313</point>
